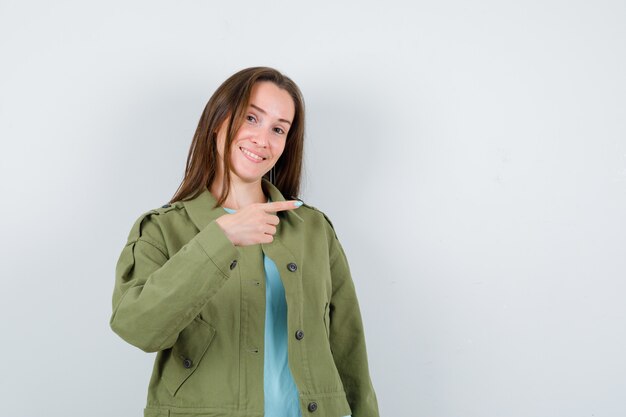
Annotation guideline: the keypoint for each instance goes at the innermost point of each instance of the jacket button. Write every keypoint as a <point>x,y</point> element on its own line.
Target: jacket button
<point>233,264</point>
<point>299,334</point>
<point>312,406</point>
<point>187,363</point>
<point>292,267</point>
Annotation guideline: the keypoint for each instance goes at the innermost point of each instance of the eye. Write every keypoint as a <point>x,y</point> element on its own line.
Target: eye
<point>279,131</point>
<point>250,118</point>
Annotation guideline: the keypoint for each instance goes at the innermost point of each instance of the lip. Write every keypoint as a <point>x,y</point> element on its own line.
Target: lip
<point>250,158</point>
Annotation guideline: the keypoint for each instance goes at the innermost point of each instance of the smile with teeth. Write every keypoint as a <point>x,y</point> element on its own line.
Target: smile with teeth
<point>252,155</point>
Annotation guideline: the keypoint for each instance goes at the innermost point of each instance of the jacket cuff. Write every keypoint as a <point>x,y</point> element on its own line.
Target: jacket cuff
<point>213,240</point>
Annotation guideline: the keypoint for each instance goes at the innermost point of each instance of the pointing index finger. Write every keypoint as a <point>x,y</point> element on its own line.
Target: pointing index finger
<point>282,205</point>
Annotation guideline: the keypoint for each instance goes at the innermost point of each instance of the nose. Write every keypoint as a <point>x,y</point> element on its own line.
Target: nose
<point>261,138</point>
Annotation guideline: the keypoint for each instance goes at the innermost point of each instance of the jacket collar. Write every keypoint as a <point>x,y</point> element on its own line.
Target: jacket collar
<point>202,212</point>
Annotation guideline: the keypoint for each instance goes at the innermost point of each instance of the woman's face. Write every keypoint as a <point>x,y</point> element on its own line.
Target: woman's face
<point>261,138</point>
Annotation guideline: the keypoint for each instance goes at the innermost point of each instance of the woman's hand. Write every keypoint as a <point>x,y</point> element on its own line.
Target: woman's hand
<point>255,223</point>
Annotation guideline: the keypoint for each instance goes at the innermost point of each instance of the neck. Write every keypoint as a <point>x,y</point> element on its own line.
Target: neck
<point>241,194</point>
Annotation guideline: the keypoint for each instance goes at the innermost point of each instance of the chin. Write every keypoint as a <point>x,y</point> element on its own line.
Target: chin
<point>248,176</point>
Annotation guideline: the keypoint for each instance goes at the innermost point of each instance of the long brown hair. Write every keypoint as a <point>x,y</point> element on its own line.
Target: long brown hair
<point>232,98</point>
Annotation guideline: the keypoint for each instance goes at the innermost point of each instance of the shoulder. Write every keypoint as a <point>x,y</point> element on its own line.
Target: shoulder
<point>157,215</point>
<point>321,215</point>
<point>149,225</point>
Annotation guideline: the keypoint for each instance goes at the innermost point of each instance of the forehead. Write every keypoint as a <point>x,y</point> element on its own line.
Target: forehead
<point>276,102</point>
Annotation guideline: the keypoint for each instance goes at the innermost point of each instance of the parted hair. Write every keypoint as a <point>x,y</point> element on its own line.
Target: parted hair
<point>230,101</point>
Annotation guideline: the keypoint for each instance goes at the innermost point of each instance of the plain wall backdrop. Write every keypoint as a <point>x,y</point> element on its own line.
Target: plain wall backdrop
<point>471,155</point>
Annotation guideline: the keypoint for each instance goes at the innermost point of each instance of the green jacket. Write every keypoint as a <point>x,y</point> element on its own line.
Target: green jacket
<point>182,289</point>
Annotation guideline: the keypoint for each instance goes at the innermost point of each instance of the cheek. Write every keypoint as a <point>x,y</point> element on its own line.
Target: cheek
<point>234,152</point>
<point>278,147</point>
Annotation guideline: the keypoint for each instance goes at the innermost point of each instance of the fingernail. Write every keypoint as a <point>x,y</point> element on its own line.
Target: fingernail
<point>297,203</point>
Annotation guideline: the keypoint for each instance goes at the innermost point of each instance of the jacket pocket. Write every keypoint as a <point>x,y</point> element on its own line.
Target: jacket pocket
<point>186,354</point>
<point>327,319</point>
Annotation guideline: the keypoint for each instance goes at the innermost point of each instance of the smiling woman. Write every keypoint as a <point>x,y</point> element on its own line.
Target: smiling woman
<point>246,297</point>
<point>260,140</point>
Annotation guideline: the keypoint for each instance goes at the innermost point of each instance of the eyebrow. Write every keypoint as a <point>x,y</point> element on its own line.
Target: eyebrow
<point>264,112</point>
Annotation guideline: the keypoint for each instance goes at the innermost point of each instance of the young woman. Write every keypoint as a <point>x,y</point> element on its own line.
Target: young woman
<point>246,296</point>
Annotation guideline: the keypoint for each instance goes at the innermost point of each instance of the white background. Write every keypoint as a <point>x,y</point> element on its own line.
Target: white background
<point>471,155</point>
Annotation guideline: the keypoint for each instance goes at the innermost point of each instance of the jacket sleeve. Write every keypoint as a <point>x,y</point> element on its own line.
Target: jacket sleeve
<point>347,337</point>
<point>156,296</point>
